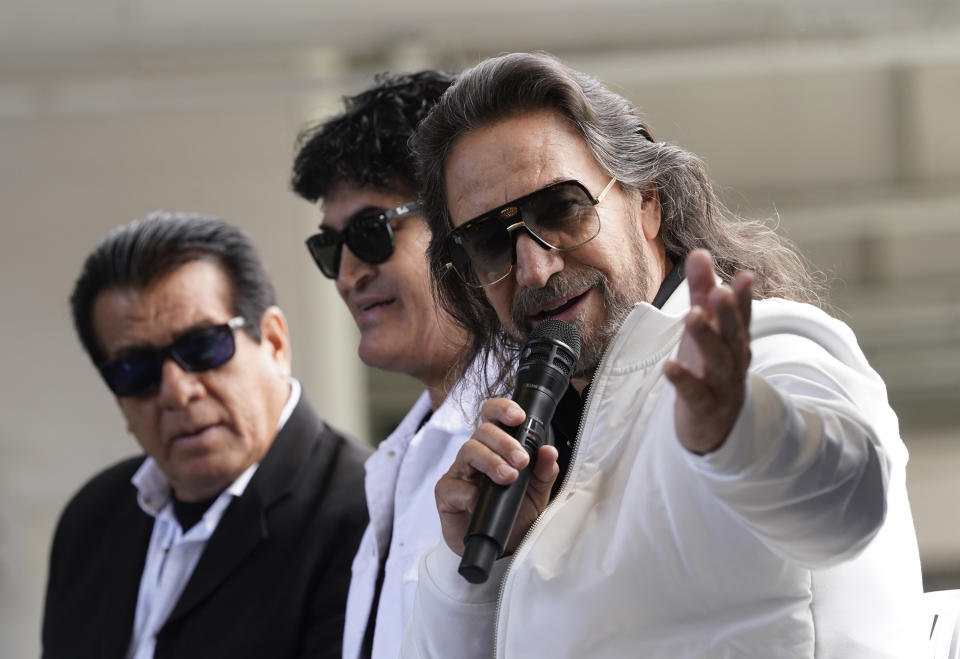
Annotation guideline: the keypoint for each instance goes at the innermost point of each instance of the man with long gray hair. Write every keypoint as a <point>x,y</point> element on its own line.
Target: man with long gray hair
<point>731,476</point>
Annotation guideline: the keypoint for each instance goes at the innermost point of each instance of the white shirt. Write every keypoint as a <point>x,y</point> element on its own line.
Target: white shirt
<point>399,482</point>
<point>172,554</point>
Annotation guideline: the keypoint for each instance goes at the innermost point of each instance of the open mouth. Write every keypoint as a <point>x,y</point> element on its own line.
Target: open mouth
<point>559,309</point>
<point>194,433</point>
<point>375,305</point>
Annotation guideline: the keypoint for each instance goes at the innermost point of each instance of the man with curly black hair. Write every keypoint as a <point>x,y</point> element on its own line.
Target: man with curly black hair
<point>372,242</point>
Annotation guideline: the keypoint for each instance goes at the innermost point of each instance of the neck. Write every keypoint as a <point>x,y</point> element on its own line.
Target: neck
<point>438,393</point>
<point>435,372</point>
<point>197,492</point>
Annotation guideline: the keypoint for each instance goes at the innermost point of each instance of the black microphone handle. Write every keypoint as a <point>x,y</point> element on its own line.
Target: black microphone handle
<point>498,505</point>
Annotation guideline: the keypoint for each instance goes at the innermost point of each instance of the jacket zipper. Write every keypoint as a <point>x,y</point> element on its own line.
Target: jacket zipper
<point>574,454</point>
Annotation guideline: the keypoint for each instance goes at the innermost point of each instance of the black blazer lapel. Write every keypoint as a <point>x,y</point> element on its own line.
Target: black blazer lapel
<point>129,538</point>
<point>244,524</point>
<point>95,569</point>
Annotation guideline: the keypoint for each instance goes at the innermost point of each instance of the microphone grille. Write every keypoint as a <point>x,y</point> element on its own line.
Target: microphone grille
<point>557,330</point>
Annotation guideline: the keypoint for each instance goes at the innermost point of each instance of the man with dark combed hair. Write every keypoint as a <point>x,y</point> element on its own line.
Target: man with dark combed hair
<point>233,535</point>
<point>732,478</point>
<point>372,243</point>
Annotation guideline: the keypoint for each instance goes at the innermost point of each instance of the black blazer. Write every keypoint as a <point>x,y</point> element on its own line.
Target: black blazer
<point>272,580</point>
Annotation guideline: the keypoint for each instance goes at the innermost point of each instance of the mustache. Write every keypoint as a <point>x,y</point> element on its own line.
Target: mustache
<point>529,301</point>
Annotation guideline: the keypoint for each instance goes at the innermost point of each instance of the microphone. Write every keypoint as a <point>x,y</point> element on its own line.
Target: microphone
<point>547,361</point>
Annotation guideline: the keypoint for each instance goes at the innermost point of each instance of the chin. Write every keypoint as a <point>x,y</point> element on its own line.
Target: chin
<point>376,356</point>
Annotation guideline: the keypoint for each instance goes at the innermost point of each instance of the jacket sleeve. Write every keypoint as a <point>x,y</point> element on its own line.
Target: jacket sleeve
<point>808,462</point>
<point>451,617</point>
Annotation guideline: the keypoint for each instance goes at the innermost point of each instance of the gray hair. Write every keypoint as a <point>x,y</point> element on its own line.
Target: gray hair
<point>622,144</point>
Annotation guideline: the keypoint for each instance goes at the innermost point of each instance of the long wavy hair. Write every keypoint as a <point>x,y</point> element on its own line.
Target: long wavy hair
<point>622,144</point>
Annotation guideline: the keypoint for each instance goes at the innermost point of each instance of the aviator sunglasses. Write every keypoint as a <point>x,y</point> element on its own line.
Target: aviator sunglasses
<point>139,371</point>
<point>368,234</point>
<point>561,216</point>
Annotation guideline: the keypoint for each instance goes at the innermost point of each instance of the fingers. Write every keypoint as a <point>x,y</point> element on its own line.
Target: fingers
<point>731,327</point>
<point>454,495</point>
<point>491,451</point>
<point>701,278</point>
<point>691,387</point>
<point>743,290</point>
<point>502,410</point>
<point>477,458</point>
<point>724,309</point>
<point>709,373</point>
<point>698,270</point>
<point>546,469</point>
<point>713,350</point>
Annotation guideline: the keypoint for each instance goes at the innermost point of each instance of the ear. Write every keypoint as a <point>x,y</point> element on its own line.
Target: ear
<point>650,213</point>
<point>275,338</point>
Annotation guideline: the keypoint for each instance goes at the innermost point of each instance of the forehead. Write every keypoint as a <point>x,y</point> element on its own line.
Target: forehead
<point>196,293</point>
<point>344,200</point>
<point>505,160</point>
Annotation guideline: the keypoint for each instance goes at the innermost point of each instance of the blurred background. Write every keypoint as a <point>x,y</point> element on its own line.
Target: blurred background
<point>839,118</point>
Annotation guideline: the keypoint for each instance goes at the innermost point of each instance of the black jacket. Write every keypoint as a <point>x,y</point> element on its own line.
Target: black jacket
<point>272,580</point>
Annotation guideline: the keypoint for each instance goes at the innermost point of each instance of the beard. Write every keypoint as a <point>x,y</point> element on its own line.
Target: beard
<point>618,302</point>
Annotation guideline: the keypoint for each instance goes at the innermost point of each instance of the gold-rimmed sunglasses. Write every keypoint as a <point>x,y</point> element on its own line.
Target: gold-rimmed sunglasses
<point>561,216</point>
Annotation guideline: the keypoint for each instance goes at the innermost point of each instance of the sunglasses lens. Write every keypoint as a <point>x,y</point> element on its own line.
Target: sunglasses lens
<point>133,374</point>
<point>370,238</point>
<point>563,216</point>
<point>204,349</point>
<point>482,250</point>
<point>325,250</point>
<point>140,372</point>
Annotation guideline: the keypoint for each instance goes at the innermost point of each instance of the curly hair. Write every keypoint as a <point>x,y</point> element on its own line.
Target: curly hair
<point>622,144</point>
<point>368,143</point>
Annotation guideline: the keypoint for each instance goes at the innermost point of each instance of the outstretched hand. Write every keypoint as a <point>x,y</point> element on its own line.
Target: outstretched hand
<point>493,453</point>
<point>710,370</point>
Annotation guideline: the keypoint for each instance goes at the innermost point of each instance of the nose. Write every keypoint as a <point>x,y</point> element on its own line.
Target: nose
<point>535,263</point>
<point>177,386</point>
<point>353,272</point>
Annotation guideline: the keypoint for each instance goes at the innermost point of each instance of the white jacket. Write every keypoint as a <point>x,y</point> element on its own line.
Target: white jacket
<point>794,539</point>
<point>399,482</point>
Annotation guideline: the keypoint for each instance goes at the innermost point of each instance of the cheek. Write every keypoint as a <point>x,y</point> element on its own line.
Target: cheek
<point>246,421</point>
<point>143,422</point>
<point>500,297</point>
<point>247,402</point>
<point>421,240</point>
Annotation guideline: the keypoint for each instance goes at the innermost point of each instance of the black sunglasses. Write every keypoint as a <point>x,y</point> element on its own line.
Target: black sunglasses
<point>561,216</point>
<point>139,372</point>
<point>368,234</point>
